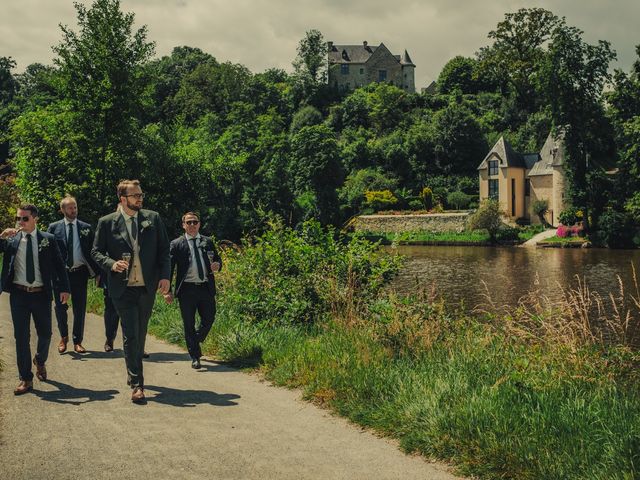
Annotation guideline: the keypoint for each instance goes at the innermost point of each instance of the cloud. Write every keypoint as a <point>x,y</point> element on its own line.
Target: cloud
<point>264,33</point>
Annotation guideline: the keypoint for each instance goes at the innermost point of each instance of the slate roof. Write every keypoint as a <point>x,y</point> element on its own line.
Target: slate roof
<point>551,155</point>
<point>506,155</point>
<point>360,54</point>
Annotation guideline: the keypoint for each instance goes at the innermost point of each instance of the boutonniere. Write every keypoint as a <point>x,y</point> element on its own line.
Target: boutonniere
<point>43,244</point>
<point>145,224</point>
<point>84,232</point>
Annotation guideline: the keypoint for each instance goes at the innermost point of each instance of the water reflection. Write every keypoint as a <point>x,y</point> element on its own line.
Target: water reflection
<point>459,272</point>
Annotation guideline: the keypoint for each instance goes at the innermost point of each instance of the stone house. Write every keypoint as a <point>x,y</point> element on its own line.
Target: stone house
<point>352,66</point>
<point>517,180</point>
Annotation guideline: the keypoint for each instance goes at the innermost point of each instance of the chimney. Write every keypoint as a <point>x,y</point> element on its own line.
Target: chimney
<point>364,44</point>
<point>330,46</point>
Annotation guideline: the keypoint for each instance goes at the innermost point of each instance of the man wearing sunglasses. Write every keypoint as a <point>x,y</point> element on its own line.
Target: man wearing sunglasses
<point>138,235</point>
<point>75,239</point>
<point>32,265</point>
<point>197,259</point>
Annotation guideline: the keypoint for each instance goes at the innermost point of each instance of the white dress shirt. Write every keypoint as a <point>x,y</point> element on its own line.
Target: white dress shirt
<point>20,261</point>
<point>192,273</point>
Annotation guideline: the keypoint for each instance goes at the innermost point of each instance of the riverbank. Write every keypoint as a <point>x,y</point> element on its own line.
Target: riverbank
<point>480,238</point>
<point>530,393</point>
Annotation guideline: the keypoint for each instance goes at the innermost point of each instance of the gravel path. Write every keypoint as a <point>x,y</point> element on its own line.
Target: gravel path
<point>216,423</point>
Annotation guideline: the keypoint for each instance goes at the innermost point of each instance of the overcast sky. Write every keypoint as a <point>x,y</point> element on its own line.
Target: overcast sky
<point>264,33</point>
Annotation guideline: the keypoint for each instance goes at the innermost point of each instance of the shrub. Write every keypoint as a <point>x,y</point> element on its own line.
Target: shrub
<point>427,198</point>
<point>458,200</point>
<point>616,229</point>
<point>488,217</point>
<point>570,216</point>
<point>508,234</point>
<point>415,204</point>
<point>540,208</point>
<point>563,231</point>
<point>521,221</point>
<point>307,274</point>
<point>380,200</point>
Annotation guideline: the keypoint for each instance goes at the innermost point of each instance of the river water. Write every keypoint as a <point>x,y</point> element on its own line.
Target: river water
<point>466,274</point>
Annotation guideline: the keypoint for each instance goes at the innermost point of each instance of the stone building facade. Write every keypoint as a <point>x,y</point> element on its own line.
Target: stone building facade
<point>517,180</point>
<point>353,66</point>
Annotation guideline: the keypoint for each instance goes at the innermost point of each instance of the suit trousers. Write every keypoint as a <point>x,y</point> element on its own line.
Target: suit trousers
<point>24,305</point>
<point>78,285</point>
<point>134,308</point>
<point>194,298</point>
<point>110,317</point>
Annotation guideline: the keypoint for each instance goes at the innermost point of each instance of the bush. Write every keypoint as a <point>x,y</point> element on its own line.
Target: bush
<point>380,200</point>
<point>508,234</point>
<point>306,273</point>
<point>563,231</point>
<point>488,217</point>
<point>521,221</point>
<point>570,216</point>
<point>427,198</point>
<point>415,204</point>
<point>616,229</point>
<point>459,200</point>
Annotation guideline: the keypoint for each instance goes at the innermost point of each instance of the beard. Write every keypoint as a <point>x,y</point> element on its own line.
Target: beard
<point>133,206</point>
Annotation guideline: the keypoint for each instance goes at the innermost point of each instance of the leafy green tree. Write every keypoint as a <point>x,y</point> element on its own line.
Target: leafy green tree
<point>316,172</point>
<point>487,217</point>
<point>305,117</point>
<point>102,81</point>
<point>310,68</point>
<point>518,51</point>
<point>8,89</point>
<point>352,193</point>
<point>463,74</point>
<point>574,74</point>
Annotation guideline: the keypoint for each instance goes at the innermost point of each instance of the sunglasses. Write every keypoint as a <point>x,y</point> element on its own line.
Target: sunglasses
<point>137,196</point>
<point>22,219</point>
<point>192,222</point>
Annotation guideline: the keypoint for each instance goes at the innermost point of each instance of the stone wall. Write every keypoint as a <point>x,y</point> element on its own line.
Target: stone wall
<point>436,222</point>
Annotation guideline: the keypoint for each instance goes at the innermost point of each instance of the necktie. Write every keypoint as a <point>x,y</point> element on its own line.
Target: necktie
<point>134,229</point>
<point>70,246</point>
<point>196,252</point>
<point>31,270</point>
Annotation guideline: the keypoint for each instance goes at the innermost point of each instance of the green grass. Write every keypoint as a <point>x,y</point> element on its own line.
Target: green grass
<point>568,241</point>
<point>443,238</point>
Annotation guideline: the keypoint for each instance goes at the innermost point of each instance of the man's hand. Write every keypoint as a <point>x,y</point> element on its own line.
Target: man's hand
<point>120,266</point>
<point>168,298</point>
<point>163,286</point>
<point>8,233</point>
<point>215,267</point>
<point>64,297</point>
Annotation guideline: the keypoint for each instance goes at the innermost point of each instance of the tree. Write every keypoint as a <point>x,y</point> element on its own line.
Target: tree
<point>517,52</point>
<point>462,74</point>
<point>8,89</point>
<point>487,217</point>
<point>316,172</point>
<point>103,82</point>
<point>573,75</point>
<point>311,61</point>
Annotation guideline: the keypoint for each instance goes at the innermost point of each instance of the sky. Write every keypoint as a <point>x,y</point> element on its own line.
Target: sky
<point>263,34</point>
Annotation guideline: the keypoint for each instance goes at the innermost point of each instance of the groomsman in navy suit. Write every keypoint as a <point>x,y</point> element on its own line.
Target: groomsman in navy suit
<point>75,240</point>
<point>196,259</point>
<point>31,266</point>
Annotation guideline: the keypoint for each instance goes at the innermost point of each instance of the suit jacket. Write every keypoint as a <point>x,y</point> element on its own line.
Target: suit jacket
<point>112,240</point>
<point>181,258</point>
<point>86,234</point>
<point>52,268</point>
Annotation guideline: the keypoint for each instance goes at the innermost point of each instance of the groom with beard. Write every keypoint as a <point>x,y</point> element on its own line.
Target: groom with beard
<point>132,284</point>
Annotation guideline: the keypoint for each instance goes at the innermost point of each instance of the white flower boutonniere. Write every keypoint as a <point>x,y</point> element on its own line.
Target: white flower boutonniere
<point>145,224</point>
<point>43,244</point>
<point>84,232</point>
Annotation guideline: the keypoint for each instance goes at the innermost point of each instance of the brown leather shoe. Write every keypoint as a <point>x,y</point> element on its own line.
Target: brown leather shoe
<point>41,371</point>
<point>108,346</point>
<point>137,396</point>
<point>23,387</point>
<point>78,348</point>
<point>62,346</point>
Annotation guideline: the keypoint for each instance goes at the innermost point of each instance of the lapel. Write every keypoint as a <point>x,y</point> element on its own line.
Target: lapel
<point>141,231</point>
<point>14,243</point>
<point>121,228</point>
<point>39,238</point>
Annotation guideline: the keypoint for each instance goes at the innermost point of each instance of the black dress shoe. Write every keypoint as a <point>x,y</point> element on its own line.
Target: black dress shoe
<point>195,363</point>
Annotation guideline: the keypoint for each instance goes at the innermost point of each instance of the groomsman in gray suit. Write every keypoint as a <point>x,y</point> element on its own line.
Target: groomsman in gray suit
<point>132,248</point>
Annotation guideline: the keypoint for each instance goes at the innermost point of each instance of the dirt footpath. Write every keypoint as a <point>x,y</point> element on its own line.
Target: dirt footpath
<point>216,423</point>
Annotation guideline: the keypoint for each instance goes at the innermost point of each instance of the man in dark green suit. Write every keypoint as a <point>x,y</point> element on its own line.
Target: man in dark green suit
<point>132,283</point>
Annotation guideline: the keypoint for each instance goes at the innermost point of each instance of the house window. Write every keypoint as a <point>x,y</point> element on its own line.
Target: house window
<point>382,75</point>
<point>362,71</point>
<point>527,188</point>
<point>493,167</point>
<point>493,189</point>
<point>344,69</point>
